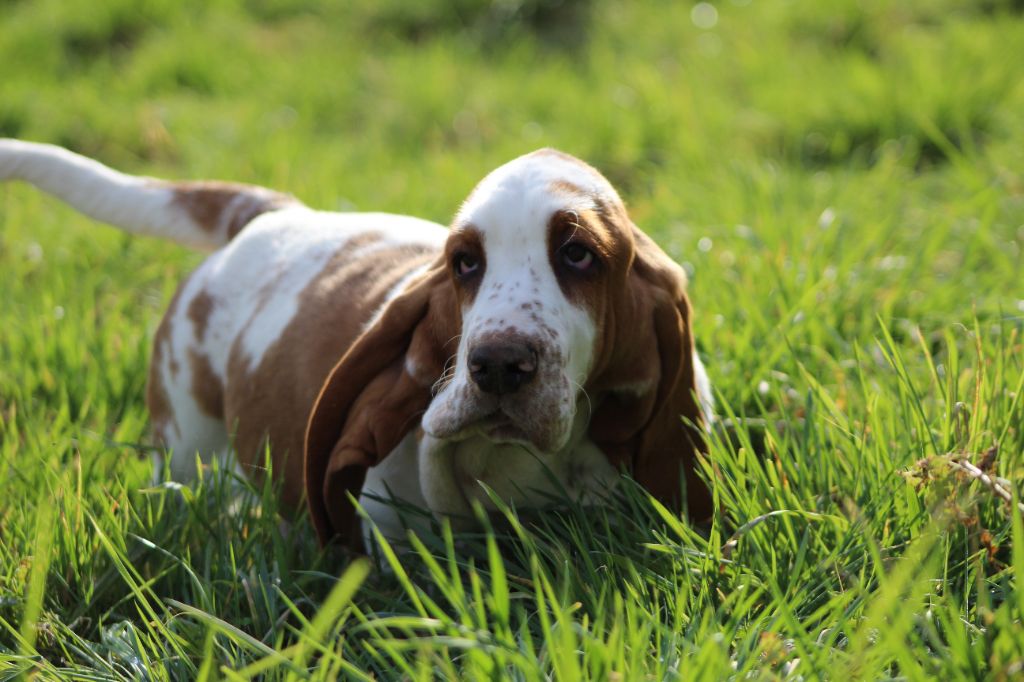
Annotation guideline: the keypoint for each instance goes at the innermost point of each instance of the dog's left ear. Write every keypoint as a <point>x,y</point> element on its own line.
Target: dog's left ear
<point>653,425</point>
<point>374,397</point>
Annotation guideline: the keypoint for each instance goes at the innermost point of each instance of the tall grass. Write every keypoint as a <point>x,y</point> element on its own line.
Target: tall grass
<point>843,182</point>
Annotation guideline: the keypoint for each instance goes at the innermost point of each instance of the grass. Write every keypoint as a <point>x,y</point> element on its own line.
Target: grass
<point>844,183</point>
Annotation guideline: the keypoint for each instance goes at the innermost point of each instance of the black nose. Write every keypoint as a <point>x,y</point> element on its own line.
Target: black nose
<point>502,367</point>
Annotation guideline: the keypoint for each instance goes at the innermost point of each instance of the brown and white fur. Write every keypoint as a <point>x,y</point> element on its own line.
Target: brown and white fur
<point>383,355</point>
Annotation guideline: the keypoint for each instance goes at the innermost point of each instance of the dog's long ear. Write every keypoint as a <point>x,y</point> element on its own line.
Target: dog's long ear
<point>374,397</point>
<point>654,425</point>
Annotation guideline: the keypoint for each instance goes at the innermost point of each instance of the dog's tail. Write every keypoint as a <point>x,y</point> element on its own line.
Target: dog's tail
<point>203,215</point>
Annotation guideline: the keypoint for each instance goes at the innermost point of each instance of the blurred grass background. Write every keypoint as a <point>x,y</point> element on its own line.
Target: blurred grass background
<point>844,182</point>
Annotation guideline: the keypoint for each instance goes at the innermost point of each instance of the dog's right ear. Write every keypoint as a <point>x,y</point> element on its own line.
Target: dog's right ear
<point>375,396</point>
<point>657,434</point>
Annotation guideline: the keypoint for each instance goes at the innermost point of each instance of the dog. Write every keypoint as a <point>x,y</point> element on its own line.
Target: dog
<point>541,345</point>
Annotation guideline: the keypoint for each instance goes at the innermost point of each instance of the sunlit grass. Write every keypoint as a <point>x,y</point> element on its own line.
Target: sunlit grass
<point>843,181</point>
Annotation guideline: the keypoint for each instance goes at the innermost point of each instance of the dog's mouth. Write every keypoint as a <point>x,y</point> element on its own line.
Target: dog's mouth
<point>500,428</point>
<point>496,426</point>
<point>539,421</point>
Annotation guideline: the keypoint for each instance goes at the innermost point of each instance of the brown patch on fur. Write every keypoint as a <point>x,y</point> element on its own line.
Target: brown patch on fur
<point>226,207</point>
<point>272,401</point>
<point>159,403</point>
<point>466,239</point>
<point>199,312</point>
<point>206,386</point>
<point>566,187</point>
<point>362,240</point>
<point>588,289</point>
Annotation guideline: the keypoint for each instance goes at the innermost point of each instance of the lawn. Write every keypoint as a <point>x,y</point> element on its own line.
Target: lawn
<point>843,181</point>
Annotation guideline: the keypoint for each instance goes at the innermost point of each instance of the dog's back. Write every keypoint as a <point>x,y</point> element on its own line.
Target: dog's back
<point>250,335</point>
<point>254,331</point>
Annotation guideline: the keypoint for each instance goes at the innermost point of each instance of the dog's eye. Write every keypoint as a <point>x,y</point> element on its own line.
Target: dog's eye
<point>465,265</point>
<point>577,257</point>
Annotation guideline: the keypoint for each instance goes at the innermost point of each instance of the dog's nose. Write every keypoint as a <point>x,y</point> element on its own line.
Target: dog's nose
<point>502,367</point>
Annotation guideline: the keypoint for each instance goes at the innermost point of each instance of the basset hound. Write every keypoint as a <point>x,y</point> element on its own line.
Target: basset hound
<point>543,344</point>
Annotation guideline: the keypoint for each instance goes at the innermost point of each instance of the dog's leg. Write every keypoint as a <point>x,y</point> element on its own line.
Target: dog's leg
<point>186,431</point>
<point>186,385</point>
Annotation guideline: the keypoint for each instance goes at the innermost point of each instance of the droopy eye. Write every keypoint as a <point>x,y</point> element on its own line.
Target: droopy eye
<point>577,256</point>
<point>465,265</point>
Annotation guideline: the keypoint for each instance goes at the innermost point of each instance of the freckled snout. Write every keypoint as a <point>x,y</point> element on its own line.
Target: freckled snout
<point>501,367</point>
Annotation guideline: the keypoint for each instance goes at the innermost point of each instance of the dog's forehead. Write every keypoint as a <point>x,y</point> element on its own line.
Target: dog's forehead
<point>519,197</point>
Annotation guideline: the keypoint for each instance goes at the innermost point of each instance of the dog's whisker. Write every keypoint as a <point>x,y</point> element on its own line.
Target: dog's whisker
<point>447,374</point>
<point>590,405</point>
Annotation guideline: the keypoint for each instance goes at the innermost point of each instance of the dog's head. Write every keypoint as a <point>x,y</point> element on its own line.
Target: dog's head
<point>547,301</point>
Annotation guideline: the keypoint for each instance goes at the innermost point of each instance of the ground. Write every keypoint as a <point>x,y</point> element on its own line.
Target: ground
<point>844,183</point>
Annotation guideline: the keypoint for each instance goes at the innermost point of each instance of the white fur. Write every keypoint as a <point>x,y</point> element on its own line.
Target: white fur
<point>703,389</point>
<point>394,479</point>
